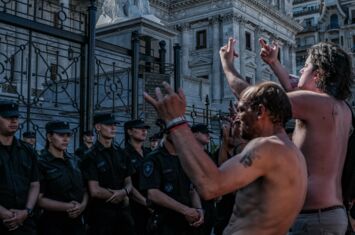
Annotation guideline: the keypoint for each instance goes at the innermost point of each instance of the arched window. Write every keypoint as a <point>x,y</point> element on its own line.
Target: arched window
<point>334,21</point>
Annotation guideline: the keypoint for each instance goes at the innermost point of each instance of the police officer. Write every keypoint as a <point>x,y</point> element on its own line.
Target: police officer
<point>63,197</point>
<point>88,141</point>
<point>19,182</point>
<point>154,141</point>
<point>135,135</point>
<point>176,203</point>
<point>108,173</point>
<point>30,138</point>
<point>202,135</point>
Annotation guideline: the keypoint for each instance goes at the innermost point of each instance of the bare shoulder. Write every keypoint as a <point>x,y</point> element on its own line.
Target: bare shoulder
<point>306,103</point>
<point>262,149</point>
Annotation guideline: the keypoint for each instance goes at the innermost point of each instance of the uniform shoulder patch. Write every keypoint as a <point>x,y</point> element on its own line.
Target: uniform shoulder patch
<point>148,168</point>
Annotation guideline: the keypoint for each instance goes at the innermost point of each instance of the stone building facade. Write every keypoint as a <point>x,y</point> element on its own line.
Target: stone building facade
<point>43,59</point>
<point>332,21</point>
<point>324,20</point>
<point>204,26</point>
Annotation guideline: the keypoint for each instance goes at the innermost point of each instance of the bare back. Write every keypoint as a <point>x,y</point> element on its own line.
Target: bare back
<point>271,203</point>
<point>322,132</point>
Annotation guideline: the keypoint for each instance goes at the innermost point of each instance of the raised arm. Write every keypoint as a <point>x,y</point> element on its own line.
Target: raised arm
<point>234,79</point>
<point>269,54</point>
<point>210,181</point>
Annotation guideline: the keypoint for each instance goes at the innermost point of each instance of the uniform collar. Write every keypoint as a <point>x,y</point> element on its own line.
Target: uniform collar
<point>15,142</point>
<point>131,148</point>
<point>100,146</point>
<point>50,157</point>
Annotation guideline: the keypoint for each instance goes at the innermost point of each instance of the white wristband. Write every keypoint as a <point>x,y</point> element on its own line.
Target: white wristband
<point>175,121</point>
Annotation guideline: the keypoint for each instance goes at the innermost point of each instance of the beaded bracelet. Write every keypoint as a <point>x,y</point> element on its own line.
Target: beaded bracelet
<point>176,127</point>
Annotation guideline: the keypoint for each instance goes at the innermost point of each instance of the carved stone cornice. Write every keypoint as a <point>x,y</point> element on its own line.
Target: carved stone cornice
<point>259,29</point>
<point>227,18</point>
<point>270,10</point>
<point>214,19</point>
<point>264,7</point>
<point>183,27</point>
<point>240,19</point>
<point>160,3</point>
<point>186,3</point>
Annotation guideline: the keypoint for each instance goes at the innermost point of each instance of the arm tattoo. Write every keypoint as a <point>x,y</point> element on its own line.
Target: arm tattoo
<point>248,159</point>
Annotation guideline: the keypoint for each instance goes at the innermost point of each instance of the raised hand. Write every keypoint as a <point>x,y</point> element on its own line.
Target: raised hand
<point>268,52</point>
<point>227,53</point>
<point>171,105</point>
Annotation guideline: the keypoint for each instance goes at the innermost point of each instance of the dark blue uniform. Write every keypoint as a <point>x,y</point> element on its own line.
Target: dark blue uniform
<point>61,180</point>
<point>108,166</point>
<point>81,151</point>
<point>140,213</point>
<point>164,172</point>
<point>210,209</point>
<point>18,169</point>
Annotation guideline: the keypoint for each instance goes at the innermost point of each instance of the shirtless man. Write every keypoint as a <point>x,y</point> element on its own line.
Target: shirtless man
<point>322,127</point>
<point>270,173</point>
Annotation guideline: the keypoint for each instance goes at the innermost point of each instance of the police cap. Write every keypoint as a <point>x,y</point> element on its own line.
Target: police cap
<point>105,118</point>
<point>58,127</point>
<point>29,134</point>
<point>9,109</point>
<point>137,123</point>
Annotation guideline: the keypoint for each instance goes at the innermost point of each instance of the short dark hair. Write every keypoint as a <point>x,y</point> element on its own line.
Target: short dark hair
<point>274,99</point>
<point>335,69</point>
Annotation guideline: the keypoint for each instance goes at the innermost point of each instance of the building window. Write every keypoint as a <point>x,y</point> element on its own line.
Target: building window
<point>248,41</point>
<point>300,60</point>
<point>248,79</point>
<point>334,21</point>
<point>201,39</point>
<point>353,49</point>
<point>353,16</point>
<point>204,77</point>
<point>309,40</point>
<point>308,22</point>
<point>335,41</point>
<point>298,42</point>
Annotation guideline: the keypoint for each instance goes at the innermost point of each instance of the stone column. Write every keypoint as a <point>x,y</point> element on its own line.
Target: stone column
<point>282,6</point>
<point>286,55</point>
<point>229,28</point>
<point>258,60</point>
<point>216,64</point>
<point>185,50</point>
<point>293,59</point>
<point>241,44</point>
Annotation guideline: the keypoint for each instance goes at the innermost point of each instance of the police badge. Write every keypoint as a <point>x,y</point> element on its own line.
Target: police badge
<point>148,168</point>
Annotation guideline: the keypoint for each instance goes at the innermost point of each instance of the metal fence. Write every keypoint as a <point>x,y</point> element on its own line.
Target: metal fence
<point>44,54</point>
<point>54,67</point>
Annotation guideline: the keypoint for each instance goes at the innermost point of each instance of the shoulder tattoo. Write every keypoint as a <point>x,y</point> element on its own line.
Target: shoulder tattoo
<point>248,159</point>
